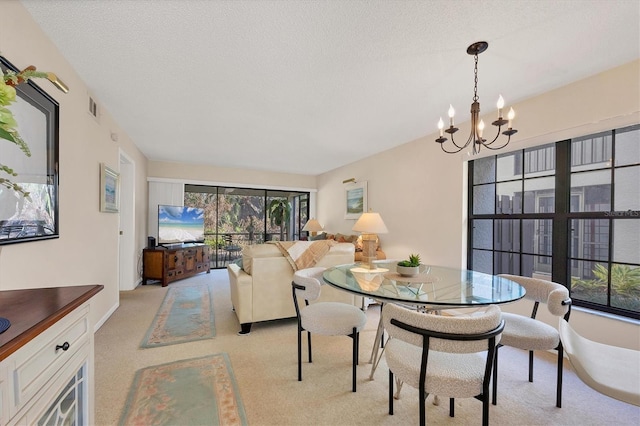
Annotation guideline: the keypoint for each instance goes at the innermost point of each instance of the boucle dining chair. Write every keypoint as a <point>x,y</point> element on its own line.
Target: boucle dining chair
<point>324,318</point>
<point>446,356</point>
<point>531,334</point>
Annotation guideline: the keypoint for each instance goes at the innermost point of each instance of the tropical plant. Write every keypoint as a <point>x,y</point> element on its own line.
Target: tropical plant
<point>279,213</point>
<point>625,280</point>
<point>414,260</point>
<point>8,125</point>
<point>588,286</point>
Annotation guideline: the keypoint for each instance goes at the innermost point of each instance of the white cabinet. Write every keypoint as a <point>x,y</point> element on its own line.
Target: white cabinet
<point>48,380</point>
<point>41,370</point>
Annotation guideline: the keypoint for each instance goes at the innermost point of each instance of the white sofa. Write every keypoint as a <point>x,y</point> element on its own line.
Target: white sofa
<point>261,289</point>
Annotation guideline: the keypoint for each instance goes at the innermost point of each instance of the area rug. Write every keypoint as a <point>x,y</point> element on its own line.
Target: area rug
<point>199,391</point>
<point>186,314</point>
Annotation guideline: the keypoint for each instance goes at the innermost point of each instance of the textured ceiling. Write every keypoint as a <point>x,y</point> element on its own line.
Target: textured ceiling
<point>308,86</point>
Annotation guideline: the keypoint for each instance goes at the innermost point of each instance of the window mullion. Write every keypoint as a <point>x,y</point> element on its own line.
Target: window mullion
<point>560,228</point>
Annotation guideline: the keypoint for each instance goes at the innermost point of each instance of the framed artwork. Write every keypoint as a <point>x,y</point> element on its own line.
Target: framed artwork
<point>355,200</point>
<point>29,210</point>
<point>109,189</point>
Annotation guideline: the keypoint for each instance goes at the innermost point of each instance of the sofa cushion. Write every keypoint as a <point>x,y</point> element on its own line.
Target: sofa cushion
<point>271,250</point>
<point>255,251</point>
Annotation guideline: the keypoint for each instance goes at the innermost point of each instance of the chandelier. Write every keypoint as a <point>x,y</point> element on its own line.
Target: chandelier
<point>477,126</point>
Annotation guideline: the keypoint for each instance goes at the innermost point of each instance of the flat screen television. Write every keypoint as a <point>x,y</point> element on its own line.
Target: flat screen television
<point>180,224</point>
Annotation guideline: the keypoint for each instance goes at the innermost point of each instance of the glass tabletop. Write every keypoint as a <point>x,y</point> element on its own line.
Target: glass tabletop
<point>434,285</point>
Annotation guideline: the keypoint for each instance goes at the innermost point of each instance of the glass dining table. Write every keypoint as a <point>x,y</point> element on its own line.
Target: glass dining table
<point>433,289</point>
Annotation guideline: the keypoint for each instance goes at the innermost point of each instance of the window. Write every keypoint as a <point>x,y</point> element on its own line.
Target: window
<point>238,216</point>
<point>569,212</point>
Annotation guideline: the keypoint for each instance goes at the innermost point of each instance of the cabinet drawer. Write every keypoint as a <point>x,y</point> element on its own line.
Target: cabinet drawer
<point>39,360</point>
<point>75,372</point>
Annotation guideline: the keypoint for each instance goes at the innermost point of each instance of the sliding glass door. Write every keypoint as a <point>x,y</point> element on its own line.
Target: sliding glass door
<point>237,217</point>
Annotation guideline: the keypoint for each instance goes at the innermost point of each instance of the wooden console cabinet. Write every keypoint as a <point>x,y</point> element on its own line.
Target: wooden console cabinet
<point>171,264</point>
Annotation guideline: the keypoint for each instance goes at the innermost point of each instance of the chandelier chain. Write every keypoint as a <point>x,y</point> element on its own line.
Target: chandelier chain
<point>475,84</point>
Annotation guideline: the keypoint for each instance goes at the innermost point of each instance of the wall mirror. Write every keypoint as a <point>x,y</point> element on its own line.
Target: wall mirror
<point>36,217</point>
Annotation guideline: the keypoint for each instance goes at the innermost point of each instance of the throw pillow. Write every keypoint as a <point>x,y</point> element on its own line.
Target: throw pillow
<point>342,238</point>
<point>321,236</point>
<point>238,262</point>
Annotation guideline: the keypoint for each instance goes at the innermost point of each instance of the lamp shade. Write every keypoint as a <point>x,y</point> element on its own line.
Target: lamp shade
<point>370,223</point>
<point>312,226</point>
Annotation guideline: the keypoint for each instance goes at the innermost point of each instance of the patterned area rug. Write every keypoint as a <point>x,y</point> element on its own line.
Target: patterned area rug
<point>200,391</point>
<point>186,314</point>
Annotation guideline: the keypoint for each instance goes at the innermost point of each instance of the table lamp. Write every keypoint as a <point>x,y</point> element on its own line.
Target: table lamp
<point>313,227</point>
<point>369,225</point>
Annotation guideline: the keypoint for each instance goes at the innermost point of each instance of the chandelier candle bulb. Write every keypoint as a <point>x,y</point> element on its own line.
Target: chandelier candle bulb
<point>441,126</point>
<point>500,106</point>
<point>452,112</point>
<point>480,128</point>
<point>511,115</point>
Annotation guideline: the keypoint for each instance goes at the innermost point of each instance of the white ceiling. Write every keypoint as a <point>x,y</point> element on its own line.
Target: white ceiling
<point>307,86</point>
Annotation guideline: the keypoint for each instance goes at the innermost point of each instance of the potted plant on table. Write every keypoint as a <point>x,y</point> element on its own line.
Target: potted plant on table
<point>409,267</point>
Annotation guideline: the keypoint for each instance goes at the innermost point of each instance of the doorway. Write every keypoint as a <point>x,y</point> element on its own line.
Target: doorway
<point>127,267</point>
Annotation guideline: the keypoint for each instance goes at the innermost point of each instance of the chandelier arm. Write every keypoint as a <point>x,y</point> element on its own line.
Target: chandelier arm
<point>455,151</point>
<point>460,148</point>
<point>494,139</point>
<point>495,148</point>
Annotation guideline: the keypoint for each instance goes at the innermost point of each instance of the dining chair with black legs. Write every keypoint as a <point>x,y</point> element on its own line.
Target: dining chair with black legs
<point>442,355</point>
<point>325,318</point>
<point>531,334</point>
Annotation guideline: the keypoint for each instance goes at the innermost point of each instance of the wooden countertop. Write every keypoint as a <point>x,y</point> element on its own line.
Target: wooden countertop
<point>32,311</point>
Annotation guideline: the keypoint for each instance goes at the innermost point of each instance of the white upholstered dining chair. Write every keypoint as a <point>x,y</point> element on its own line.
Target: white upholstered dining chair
<point>531,334</point>
<point>446,356</point>
<point>610,370</point>
<point>325,318</point>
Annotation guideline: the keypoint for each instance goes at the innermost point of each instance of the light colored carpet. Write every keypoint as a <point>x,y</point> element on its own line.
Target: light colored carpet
<point>265,367</point>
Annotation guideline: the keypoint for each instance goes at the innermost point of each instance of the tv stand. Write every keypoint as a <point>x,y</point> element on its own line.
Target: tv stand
<point>175,263</point>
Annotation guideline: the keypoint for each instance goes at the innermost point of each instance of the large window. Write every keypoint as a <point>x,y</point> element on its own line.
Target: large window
<point>569,212</point>
<point>236,217</point>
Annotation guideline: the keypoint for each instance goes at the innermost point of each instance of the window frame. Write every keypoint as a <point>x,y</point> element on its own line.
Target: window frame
<point>562,217</point>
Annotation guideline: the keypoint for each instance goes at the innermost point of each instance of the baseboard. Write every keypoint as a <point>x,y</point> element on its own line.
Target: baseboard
<point>106,316</point>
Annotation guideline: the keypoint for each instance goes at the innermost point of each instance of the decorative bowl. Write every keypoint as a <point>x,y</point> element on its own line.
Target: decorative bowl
<point>408,271</point>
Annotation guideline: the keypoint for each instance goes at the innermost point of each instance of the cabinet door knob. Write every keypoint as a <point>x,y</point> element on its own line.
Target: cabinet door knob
<point>64,346</point>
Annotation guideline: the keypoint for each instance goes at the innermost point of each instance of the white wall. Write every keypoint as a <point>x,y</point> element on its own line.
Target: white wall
<point>87,250</point>
<point>420,192</point>
<point>226,175</point>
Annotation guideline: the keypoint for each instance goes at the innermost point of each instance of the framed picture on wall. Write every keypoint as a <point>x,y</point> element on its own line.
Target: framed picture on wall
<point>355,200</point>
<point>29,173</point>
<point>109,189</point>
